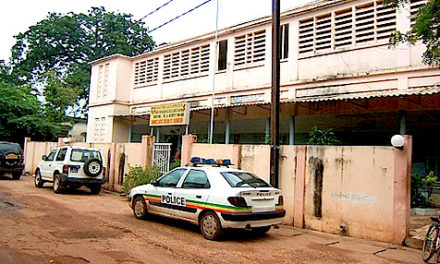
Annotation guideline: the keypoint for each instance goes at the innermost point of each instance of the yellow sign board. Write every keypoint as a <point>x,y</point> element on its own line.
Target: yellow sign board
<point>169,114</point>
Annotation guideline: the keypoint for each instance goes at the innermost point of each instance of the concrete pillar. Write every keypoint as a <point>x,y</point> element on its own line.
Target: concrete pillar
<point>147,150</point>
<point>26,157</point>
<point>292,130</point>
<point>227,131</point>
<point>157,134</point>
<point>300,186</point>
<point>186,150</point>
<point>236,156</point>
<point>402,122</point>
<point>267,132</point>
<point>111,174</point>
<point>402,191</point>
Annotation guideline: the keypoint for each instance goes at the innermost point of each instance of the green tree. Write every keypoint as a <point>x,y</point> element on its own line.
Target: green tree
<point>426,28</point>
<point>65,44</point>
<point>22,114</point>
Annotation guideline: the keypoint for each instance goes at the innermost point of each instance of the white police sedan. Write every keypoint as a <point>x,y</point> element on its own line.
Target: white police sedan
<point>212,196</point>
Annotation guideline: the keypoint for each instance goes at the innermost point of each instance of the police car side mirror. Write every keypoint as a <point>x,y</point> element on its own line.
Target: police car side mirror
<point>44,157</point>
<point>154,182</point>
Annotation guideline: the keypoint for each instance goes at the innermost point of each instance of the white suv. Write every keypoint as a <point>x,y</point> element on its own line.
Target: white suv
<point>213,197</point>
<point>71,167</point>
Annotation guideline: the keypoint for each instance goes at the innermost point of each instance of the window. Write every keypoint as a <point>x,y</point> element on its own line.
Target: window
<point>51,155</point>
<point>358,25</point>
<point>196,179</point>
<point>61,154</point>
<point>250,48</point>
<point>243,179</point>
<point>83,155</point>
<point>102,87</point>
<point>99,131</point>
<point>284,41</point>
<point>222,60</point>
<point>146,71</point>
<point>172,178</point>
<point>415,5</point>
<point>186,63</point>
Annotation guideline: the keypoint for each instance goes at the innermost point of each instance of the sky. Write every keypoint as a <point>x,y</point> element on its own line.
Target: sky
<point>18,16</point>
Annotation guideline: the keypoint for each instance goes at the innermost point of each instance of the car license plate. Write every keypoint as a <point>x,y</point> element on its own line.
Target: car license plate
<point>11,156</point>
<point>74,169</point>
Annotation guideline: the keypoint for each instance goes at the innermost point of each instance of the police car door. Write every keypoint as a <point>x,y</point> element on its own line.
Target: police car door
<point>161,199</point>
<point>194,190</point>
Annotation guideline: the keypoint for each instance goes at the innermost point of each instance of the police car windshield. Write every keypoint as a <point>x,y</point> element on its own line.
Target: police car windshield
<point>243,179</point>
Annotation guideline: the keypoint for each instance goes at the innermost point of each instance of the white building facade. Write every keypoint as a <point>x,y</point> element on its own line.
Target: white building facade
<point>337,71</point>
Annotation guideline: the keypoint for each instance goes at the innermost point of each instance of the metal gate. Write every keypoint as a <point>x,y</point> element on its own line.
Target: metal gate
<point>161,156</point>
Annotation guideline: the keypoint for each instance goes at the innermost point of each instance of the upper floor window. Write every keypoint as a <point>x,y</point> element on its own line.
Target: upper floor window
<point>284,41</point>
<point>102,87</point>
<point>414,6</point>
<point>366,23</point>
<point>186,63</point>
<point>99,129</point>
<point>146,71</point>
<point>250,48</point>
<point>222,60</point>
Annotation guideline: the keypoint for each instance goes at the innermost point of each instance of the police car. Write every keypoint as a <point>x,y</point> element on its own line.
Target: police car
<point>213,196</point>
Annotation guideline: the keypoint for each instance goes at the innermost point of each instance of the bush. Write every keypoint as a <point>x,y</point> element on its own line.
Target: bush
<point>175,164</point>
<point>322,137</point>
<point>139,175</point>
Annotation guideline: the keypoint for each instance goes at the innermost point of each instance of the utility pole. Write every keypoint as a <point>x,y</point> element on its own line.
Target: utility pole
<point>275,102</point>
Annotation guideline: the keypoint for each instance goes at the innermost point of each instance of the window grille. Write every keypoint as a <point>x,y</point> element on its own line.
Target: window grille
<point>365,23</point>
<point>343,28</point>
<point>359,25</point>
<point>100,77</point>
<point>250,48</point>
<point>167,66</point>
<point>189,62</point>
<point>105,84</point>
<point>146,71</point>
<point>306,35</point>
<point>414,6</point>
<point>323,29</point>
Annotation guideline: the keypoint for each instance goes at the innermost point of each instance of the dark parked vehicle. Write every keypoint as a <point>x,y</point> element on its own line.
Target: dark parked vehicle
<point>11,159</point>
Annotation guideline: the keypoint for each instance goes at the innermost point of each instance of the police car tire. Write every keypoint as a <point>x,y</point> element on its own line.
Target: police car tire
<point>261,230</point>
<point>138,204</point>
<point>210,226</point>
<point>87,168</point>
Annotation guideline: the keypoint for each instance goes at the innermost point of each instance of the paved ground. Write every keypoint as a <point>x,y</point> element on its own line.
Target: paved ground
<point>39,226</point>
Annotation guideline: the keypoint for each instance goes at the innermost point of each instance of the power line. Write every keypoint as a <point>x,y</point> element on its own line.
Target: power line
<point>157,9</point>
<point>179,16</point>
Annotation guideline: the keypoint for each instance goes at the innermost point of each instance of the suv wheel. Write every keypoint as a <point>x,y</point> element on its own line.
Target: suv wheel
<point>57,186</point>
<point>140,207</point>
<point>16,175</point>
<point>38,180</point>
<point>95,189</point>
<point>210,226</point>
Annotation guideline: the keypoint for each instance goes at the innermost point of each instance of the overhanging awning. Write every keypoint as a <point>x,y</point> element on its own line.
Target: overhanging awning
<point>366,95</point>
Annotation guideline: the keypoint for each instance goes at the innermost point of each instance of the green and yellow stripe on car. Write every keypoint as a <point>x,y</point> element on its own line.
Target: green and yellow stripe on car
<point>202,205</point>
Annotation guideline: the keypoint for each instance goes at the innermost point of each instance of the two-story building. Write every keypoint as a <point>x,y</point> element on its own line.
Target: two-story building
<point>337,71</point>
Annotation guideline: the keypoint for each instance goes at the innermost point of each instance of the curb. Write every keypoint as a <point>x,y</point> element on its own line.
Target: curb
<point>413,242</point>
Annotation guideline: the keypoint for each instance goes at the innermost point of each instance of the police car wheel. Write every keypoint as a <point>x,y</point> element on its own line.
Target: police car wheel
<point>210,226</point>
<point>261,230</point>
<point>57,185</point>
<point>140,207</point>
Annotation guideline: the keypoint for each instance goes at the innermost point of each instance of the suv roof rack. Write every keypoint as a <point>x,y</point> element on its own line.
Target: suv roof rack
<point>195,161</point>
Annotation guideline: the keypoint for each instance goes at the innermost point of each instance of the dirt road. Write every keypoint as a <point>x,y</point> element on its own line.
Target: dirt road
<point>38,226</point>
